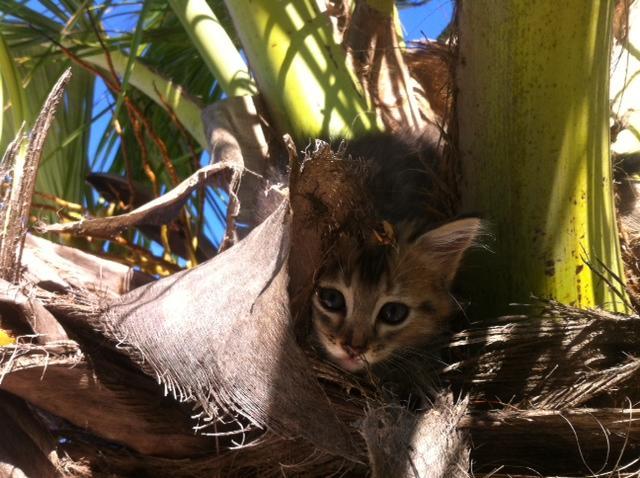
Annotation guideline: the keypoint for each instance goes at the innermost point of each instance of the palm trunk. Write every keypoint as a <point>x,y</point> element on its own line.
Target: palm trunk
<point>533,114</point>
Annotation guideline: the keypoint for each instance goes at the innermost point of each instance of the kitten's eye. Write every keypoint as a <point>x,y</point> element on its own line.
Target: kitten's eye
<point>393,313</point>
<point>331,299</point>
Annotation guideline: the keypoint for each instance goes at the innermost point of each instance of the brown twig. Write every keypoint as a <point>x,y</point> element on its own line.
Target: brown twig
<point>195,165</point>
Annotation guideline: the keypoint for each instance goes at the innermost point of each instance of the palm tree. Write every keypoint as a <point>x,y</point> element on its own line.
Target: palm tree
<point>530,141</point>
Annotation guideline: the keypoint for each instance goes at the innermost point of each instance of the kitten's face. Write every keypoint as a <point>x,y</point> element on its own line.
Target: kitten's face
<point>372,303</point>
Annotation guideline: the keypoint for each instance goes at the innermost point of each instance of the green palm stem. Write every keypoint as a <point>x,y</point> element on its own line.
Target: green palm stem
<point>533,116</point>
<point>301,72</point>
<point>215,47</point>
<point>11,80</point>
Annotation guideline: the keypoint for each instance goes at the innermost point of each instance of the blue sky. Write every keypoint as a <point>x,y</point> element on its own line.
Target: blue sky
<point>426,20</point>
<point>420,22</point>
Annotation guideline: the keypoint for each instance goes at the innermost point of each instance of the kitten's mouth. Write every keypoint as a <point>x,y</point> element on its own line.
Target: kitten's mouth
<point>335,353</point>
<point>351,364</point>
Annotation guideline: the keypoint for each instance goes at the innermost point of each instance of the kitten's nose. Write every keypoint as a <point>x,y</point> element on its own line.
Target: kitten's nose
<point>353,350</point>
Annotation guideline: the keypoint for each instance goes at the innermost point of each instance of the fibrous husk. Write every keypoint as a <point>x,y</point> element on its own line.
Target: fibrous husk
<point>55,267</point>
<point>548,388</point>
<point>219,335</point>
<point>27,449</point>
<point>431,65</point>
<point>104,398</point>
<point>417,445</point>
<point>553,392</point>
<point>560,357</point>
<point>25,314</point>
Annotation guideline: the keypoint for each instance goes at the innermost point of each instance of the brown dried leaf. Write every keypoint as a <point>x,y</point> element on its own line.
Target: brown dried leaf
<point>111,402</point>
<point>161,210</point>
<point>25,310</point>
<point>24,168</point>
<point>56,267</point>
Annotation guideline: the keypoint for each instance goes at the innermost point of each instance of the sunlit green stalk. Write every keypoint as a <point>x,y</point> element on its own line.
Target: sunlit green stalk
<point>301,72</point>
<point>215,47</point>
<point>533,113</point>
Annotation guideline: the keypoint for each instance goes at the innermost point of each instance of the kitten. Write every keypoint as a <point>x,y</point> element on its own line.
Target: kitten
<point>372,303</point>
<point>391,291</point>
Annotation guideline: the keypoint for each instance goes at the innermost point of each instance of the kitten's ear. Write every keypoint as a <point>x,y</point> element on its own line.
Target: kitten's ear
<point>442,248</point>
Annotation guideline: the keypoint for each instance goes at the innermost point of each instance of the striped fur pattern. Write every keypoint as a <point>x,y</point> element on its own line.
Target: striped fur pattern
<point>380,298</point>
